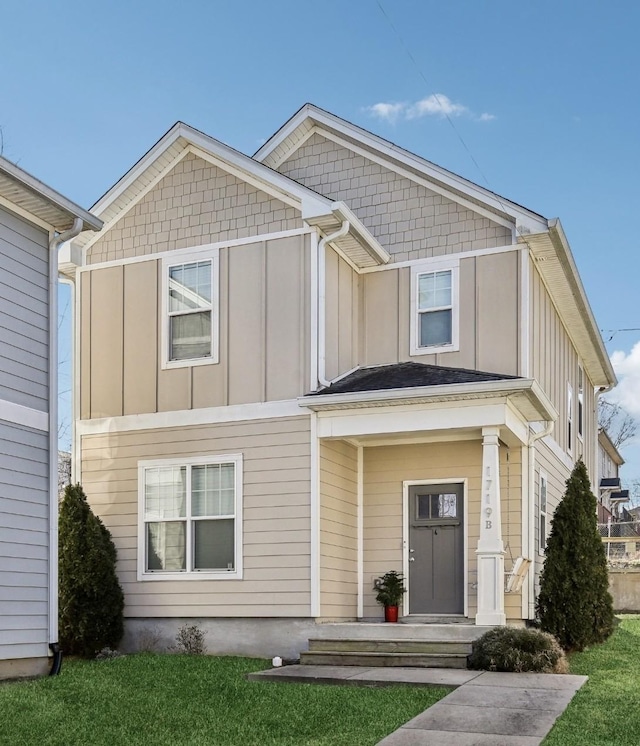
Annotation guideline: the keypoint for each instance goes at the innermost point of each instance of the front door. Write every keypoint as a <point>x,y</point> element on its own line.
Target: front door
<point>436,549</point>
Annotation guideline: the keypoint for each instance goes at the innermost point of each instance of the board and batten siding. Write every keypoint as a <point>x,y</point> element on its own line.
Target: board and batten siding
<point>24,452</point>
<point>555,364</point>
<point>264,306</point>
<point>489,316</point>
<point>342,309</point>
<point>24,304</point>
<point>276,516</point>
<point>385,469</point>
<point>409,220</point>
<point>338,530</point>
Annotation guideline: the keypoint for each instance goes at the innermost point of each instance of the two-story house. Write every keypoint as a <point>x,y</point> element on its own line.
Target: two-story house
<point>34,221</point>
<point>301,369</point>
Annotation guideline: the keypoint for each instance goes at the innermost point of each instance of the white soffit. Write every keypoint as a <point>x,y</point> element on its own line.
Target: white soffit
<point>554,261</point>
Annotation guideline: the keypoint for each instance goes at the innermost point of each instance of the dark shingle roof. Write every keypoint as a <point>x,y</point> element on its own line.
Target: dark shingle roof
<point>406,375</point>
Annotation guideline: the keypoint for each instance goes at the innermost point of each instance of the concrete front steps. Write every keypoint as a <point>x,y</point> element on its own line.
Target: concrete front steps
<point>409,645</point>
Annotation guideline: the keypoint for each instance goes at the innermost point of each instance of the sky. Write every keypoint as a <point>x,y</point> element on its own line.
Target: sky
<point>542,102</point>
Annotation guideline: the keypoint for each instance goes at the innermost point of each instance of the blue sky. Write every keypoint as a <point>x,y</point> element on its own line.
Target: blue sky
<point>543,96</point>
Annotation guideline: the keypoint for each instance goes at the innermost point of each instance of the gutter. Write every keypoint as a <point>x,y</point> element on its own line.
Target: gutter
<point>54,244</point>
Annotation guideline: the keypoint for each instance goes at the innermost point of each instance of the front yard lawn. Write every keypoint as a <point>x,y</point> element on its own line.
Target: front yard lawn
<point>605,711</point>
<point>174,700</point>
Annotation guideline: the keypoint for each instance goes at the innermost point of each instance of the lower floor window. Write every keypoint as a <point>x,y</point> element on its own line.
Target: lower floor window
<point>190,509</point>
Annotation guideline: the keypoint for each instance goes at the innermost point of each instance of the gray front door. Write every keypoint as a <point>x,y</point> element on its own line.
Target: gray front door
<point>436,549</point>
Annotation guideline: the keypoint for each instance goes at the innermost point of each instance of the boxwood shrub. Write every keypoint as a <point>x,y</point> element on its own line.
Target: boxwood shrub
<point>517,649</point>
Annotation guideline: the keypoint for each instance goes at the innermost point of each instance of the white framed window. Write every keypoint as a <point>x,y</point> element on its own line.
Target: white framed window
<point>434,308</point>
<point>190,518</point>
<point>542,513</point>
<point>190,303</point>
<point>569,418</point>
<point>580,402</point>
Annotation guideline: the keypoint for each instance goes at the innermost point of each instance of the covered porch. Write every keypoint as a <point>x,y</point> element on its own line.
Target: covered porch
<point>432,481</point>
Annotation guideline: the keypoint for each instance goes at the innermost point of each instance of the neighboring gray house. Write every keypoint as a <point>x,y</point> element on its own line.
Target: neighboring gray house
<point>34,221</point>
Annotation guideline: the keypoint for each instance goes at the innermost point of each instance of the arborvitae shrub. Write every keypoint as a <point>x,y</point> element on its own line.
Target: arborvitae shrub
<point>517,650</point>
<point>574,603</point>
<point>91,600</point>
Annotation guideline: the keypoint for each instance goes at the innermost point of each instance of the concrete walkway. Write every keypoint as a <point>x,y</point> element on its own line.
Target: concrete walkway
<point>485,709</point>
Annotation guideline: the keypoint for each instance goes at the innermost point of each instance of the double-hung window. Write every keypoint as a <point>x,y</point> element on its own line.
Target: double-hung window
<point>569,418</point>
<point>580,402</point>
<point>191,308</point>
<point>434,296</point>
<point>542,512</point>
<point>190,517</point>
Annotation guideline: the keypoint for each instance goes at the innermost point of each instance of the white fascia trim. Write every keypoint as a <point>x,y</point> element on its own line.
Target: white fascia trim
<point>449,391</point>
<point>168,576</point>
<point>527,219</point>
<point>358,230</point>
<point>217,245</point>
<point>190,417</point>
<point>17,414</point>
<point>85,246</point>
<point>459,255</point>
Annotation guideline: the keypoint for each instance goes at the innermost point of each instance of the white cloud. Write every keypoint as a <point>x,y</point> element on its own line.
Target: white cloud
<point>435,105</point>
<point>627,368</point>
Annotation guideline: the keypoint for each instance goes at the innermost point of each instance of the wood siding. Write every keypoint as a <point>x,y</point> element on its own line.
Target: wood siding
<point>409,220</point>
<point>264,301</point>
<point>24,304</point>
<point>338,530</point>
<point>24,542</point>
<point>276,487</point>
<point>342,316</point>
<point>489,316</point>
<point>195,203</point>
<point>385,469</point>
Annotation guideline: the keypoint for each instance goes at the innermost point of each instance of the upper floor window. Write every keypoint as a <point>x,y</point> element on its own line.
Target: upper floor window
<point>191,306</point>
<point>435,308</point>
<point>189,517</point>
<point>569,418</point>
<point>580,402</point>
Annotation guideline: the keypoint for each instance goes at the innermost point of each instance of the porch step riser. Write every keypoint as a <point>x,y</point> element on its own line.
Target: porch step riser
<point>381,631</point>
<point>391,646</point>
<point>383,660</point>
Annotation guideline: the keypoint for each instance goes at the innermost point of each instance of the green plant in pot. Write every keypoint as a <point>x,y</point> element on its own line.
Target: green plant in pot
<point>389,591</point>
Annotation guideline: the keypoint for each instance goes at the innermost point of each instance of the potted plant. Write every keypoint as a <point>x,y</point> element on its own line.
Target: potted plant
<point>389,591</point>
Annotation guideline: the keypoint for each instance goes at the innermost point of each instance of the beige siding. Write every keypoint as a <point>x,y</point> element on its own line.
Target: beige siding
<point>276,547</point>
<point>196,203</point>
<point>338,530</point>
<point>554,363</point>
<point>385,469</point>
<point>264,334</point>
<point>342,307</point>
<point>410,221</point>
<point>489,316</point>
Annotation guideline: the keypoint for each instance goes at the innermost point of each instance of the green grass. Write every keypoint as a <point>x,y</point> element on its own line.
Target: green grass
<point>171,699</point>
<point>605,711</point>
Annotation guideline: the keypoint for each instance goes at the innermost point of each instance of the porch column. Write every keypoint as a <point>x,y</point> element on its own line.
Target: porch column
<point>490,551</point>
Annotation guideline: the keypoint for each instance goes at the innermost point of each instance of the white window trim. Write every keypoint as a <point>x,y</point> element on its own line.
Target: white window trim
<point>580,418</point>
<point>452,266</point>
<point>202,253</point>
<point>543,480</point>
<point>234,458</point>
<point>570,420</point>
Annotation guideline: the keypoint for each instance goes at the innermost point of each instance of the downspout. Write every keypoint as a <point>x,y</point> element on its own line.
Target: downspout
<point>54,244</point>
<point>531,445</point>
<point>322,300</point>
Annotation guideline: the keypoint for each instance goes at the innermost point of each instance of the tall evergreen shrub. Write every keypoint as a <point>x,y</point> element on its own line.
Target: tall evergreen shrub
<point>91,600</point>
<point>574,603</point>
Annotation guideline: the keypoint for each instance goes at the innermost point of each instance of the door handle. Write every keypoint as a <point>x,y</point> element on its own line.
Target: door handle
<point>412,559</point>
<point>411,551</point>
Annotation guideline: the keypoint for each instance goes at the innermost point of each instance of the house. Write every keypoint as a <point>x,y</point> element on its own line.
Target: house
<point>299,370</point>
<point>611,496</point>
<point>34,221</point>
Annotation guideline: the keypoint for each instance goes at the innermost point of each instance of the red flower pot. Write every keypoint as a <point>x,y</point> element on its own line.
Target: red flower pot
<point>391,613</point>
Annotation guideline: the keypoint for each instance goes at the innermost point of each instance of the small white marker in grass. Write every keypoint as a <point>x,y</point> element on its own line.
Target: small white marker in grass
<point>276,662</point>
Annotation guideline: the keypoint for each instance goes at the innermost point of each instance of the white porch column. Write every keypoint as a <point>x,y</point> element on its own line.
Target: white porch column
<point>490,551</point>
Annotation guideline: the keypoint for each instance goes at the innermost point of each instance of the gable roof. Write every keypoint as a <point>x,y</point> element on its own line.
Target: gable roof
<point>32,196</point>
<point>406,375</point>
<point>358,245</point>
<point>310,119</point>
